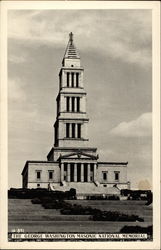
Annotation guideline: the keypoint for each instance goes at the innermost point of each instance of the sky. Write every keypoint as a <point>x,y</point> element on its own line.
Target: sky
<point>116,53</point>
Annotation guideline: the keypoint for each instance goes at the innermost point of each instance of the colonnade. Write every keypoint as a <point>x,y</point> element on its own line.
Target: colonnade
<point>78,172</point>
<point>73,130</point>
<point>72,79</point>
<point>73,104</point>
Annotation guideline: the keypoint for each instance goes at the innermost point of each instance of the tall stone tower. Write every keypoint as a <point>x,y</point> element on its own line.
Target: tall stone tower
<point>71,126</point>
<point>71,163</point>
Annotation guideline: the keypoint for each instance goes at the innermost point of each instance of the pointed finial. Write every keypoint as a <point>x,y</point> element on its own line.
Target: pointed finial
<point>71,37</point>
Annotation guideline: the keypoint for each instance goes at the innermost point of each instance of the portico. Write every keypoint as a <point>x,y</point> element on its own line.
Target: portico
<point>78,172</point>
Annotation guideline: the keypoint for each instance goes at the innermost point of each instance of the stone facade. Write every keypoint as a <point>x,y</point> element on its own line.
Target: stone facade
<point>71,163</point>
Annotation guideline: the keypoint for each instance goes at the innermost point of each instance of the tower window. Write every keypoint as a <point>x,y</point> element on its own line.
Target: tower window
<point>58,104</point>
<point>38,174</point>
<point>79,130</point>
<point>117,176</point>
<point>68,74</point>
<point>73,104</point>
<point>51,175</point>
<point>56,133</point>
<point>73,130</point>
<point>67,130</point>
<point>72,79</point>
<point>77,80</point>
<point>78,104</point>
<point>60,79</point>
<point>68,100</point>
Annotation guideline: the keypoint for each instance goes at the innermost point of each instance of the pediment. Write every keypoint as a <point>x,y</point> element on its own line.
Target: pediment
<point>78,155</point>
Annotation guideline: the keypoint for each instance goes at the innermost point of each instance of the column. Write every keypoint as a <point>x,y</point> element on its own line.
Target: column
<point>68,172</point>
<point>82,172</point>
<point>88,173</point>
<point>95,172</point>
<point>70,104</point>
<point>71,172</point>
<point>76,130</point>
<point>75,104</point>
<point>75,172</point>
<point>75,80</point>
<point>62,172</point>
<point>70,130</point>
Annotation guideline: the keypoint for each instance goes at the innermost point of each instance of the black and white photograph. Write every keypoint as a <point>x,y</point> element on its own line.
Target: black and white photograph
<point>80,114</point>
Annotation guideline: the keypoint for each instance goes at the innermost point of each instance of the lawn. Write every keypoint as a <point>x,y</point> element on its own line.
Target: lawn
<point>22,214</point>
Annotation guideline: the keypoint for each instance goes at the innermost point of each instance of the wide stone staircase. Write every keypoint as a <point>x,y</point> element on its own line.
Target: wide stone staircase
<point>87,188</point>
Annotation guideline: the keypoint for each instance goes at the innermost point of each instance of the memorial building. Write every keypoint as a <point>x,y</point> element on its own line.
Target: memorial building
<point>71,163</point>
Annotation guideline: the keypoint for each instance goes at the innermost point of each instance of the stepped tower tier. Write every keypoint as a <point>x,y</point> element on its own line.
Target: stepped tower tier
<point>71,125</point>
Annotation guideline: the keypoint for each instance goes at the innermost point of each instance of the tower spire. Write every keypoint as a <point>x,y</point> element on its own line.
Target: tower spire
<point>71,51</point>
<point>71,37</point>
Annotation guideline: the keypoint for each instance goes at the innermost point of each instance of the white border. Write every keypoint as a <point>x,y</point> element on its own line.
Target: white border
<point>155,6</point>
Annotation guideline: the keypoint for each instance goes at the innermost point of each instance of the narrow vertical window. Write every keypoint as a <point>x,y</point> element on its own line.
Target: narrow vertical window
<point>50,175</point>
<point>67,130</point>
<point>68,99</point>
<point>105,176</point>
<point>77,80</point>
<point>73,104</point>
<point>56,134</point>
<point>73,130</point>
<point>79,130</point>
<point>117,176</point>
<point>38,174</point>
<point>78,104</point>
<point>60,80</point>
<point>58,106</point>
<point>68,79</point>
<point>72,80</point>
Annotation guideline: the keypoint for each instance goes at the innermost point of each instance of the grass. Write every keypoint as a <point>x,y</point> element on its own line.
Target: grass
<point>34,218</point>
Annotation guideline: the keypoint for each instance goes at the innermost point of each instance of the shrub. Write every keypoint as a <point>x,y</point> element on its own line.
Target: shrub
<point>36,201</point>
<point>79,210</point>
<point>52,205</point>
<point>137,229</point>
<point>25,193</point>
<point>114,216</point>
<point>101,197</point>
<point>113,197</point>
<point>46,199</point>
<point>55,204</point>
